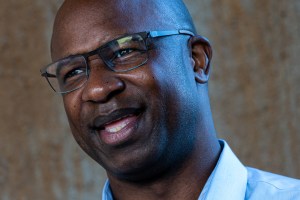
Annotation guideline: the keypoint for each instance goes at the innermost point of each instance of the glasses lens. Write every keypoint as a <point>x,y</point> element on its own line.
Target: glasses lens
<point>125,53</point>
<point>68,74</point>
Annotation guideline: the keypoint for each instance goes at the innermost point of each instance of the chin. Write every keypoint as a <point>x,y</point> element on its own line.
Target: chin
<point>135,166</point>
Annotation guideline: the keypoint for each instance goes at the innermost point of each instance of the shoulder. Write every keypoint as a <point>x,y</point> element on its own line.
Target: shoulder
<point>267,185</point>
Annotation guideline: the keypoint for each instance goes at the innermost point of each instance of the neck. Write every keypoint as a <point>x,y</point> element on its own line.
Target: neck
<point>185,182</point>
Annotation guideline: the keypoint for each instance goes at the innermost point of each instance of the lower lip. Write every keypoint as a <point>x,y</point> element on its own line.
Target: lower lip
<point>122,135</point>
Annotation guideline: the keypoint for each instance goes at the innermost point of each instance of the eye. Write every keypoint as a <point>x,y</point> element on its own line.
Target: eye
<point>123,56</point>
<point>123,52</point>
<point>73,73</point>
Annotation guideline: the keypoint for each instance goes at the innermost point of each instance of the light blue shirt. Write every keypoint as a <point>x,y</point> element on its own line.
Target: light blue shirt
<point>231,180</point>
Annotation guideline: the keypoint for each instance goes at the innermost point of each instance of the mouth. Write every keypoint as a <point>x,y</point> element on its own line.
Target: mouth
<point>118,126</point>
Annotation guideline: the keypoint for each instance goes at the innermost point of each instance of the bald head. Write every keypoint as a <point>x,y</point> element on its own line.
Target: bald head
<point>77,18</point>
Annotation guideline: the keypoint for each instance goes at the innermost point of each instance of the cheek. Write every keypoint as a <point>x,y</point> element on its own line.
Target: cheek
<point>176,83</point>
<point>73,108</point>
<point>72,104</point>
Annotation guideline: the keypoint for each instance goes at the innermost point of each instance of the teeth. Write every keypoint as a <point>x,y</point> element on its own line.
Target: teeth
<point>116,127</point>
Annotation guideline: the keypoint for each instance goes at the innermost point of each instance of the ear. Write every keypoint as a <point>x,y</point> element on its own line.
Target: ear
<point>201,56</point>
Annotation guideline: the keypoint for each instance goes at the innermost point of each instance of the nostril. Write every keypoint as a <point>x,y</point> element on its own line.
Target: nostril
<point>116,89</point>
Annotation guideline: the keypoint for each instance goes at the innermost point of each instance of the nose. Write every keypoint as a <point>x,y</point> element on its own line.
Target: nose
<point>102,84</point>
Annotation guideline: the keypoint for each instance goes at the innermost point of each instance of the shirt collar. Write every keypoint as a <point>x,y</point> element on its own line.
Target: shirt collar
<point>106,193</point>
<point>228,181</point>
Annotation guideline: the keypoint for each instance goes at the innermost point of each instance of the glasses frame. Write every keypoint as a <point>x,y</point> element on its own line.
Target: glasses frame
<point>145,36</point>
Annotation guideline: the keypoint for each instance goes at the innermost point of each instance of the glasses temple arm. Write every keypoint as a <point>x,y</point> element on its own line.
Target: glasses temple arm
<point>154,34</point>
<point>45,74</point>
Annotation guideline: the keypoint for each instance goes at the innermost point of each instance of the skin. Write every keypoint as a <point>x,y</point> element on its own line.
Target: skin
<point>174,148</point>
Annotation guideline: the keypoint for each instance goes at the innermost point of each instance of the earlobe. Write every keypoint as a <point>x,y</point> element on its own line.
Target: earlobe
<point>201,56</point>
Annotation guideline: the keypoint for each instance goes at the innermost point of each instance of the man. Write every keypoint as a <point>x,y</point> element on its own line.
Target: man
<point>133,77</point>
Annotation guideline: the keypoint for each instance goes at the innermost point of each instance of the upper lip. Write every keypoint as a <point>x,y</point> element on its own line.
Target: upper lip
<point>100,121</point>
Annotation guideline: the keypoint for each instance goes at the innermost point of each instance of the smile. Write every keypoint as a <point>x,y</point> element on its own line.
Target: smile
<point>117,127</point>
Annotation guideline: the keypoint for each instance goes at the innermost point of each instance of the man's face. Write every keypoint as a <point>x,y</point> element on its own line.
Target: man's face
<point>136,120</point>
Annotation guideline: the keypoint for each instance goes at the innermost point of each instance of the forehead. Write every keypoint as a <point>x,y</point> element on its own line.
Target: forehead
<point>83,25</point>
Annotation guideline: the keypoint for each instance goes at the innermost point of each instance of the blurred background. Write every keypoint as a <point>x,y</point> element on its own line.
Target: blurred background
<point>254,89</point>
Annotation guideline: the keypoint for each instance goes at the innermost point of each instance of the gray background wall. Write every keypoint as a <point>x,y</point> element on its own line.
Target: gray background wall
<point>254,92</point>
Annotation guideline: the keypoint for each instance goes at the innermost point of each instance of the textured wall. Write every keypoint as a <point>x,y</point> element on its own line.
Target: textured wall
<point>255,81</point>
<point>254,92</point>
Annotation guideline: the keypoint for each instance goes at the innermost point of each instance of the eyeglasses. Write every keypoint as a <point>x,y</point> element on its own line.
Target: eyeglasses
<point>119,55</point>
